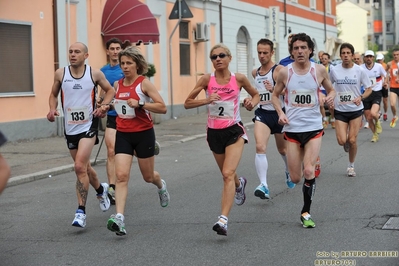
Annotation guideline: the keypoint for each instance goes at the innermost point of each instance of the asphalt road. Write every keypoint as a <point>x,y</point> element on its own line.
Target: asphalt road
<point>349,213</point>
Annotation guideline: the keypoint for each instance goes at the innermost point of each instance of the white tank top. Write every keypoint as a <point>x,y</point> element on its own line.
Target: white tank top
<point>78,101</point>
<point>301,101</point>
<point>265,102</point>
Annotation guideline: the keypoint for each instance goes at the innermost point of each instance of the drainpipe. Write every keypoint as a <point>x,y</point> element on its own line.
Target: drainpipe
<point>325,21</point>
<point>285,18</point>
<point>221,21</point>
<point>55,38</point>
<point>170,63</point>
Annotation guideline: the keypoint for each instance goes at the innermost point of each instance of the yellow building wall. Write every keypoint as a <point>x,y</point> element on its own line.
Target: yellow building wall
<point>36,106</point>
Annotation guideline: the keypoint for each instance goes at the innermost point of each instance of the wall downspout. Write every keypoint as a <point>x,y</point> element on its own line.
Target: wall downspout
<point>285,18</point>
<point>325,22</point>
<point>170,63</point>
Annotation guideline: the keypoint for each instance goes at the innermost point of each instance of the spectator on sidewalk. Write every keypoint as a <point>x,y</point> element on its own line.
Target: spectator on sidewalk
<point>78,85</point>
<point>266,117</point>
<point>5,171</point>
<point>226,134</point>
<point>135,98</point>
<point>303,127</point>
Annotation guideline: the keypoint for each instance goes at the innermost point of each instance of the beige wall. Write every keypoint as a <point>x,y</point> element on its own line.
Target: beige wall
<point>32,107</point>
<point>354,31</point>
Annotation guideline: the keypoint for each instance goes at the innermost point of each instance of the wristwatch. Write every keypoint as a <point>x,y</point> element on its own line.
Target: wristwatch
<point>141,103</point>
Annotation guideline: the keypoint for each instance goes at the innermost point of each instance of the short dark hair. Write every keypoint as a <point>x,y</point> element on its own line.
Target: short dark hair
<point>265,41</point>
<point>327,54</point>
<point>111,41</point>
<point>305,38</point>
<point>347,45</point>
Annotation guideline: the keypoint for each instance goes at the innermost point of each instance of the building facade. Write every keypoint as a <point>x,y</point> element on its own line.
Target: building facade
<point>39,34</point>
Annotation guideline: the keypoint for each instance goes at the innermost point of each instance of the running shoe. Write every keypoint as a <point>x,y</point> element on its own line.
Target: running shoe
<point>385,117</point>
<point>378,127</point>
<point>374,138</point>
<point>157,148</point>
<point>80,219</point>
<point>103,198</point>
<point>366,125</point>
<point>317,168</point>
<point>239,198</point>
<point>347,146</point>
<point>325,124</point>
<point>262,192</point>
<point>307,221</point>
<point>332,122</point>
<point>288,181</point>
<point>111,195</point>
<point>164,195</point>
<point>116,224</point>
<point>220,228</point>
<point>393,122</point>
<point>351,172</point>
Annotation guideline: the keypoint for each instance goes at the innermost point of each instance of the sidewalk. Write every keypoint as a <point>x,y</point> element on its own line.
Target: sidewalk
<point>40,158</point>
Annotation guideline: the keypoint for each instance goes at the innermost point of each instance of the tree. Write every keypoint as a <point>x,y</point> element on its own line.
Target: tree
<point>151,71</point>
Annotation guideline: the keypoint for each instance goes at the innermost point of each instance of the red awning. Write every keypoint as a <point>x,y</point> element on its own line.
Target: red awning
<point>129,20</point>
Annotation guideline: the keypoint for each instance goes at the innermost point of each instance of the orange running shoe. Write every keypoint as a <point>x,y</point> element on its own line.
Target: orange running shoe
<point>317,168</point>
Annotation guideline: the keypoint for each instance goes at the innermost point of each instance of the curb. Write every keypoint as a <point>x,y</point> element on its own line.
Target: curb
<point>17,180</point>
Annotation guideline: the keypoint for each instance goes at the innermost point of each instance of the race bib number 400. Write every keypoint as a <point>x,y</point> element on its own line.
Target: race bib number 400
<point>77,115</point>
<point>123,109</point>
<point>303,98</point>
<point>221,110</point>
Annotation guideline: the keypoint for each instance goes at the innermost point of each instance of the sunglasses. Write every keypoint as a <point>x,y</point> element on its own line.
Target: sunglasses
<point>215,56</point>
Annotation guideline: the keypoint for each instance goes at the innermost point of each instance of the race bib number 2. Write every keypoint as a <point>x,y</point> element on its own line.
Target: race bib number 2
<point>222,110</point>
<point>123,109</point>
<point>77,115</point>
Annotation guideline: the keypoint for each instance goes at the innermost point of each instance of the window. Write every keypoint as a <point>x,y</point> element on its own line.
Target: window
<point>367,1</point>
<point>312,4</point>
<point>328,6</point>
<point>184,48</point>
<point>16,71</point>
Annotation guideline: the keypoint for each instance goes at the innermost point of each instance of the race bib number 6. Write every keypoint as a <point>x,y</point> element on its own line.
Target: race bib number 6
<point>123,109</point>
<point>221,110</point>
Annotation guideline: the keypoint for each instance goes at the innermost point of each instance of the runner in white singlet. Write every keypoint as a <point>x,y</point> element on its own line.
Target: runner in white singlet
<point>302,119</point>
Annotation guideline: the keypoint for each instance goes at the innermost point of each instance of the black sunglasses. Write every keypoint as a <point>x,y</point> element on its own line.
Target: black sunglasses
<point>215,56</point>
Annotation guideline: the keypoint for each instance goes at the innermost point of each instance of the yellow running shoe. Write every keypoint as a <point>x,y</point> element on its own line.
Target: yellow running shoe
<point>378,127</point>
<point>374,138</point>
<point>393,122</point>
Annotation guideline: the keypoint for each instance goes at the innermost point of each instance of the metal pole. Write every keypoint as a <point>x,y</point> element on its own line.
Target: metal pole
<point>384,26</point>
<point>170,62</point>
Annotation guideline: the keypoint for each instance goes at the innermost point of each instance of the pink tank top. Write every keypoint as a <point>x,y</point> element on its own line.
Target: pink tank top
<point>226,112</point>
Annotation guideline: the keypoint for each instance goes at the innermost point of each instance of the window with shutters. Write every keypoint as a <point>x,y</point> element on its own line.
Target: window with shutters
<point>312,4</point>
<point>184,35</point>
<point>16,71</point>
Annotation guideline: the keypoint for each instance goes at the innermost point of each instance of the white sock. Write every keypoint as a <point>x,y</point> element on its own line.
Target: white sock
<point>285,162</point>
<point>261,166</point>
<point>121,216</point>
<point>223,219</point>
<point>351,165</point>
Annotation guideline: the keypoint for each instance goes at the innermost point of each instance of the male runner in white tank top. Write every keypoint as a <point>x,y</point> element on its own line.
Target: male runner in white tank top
<point>302,119</point>
<point>78,86</point>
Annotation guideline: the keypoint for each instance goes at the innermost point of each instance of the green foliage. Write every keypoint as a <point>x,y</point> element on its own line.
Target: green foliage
<point>372,46</point>
<point>151,71</point>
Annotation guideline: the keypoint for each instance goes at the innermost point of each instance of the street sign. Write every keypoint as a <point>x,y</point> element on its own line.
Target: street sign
<point>184,10</point>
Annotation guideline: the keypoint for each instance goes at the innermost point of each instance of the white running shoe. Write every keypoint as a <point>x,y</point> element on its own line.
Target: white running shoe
<point>80,219</point>
<point>103,198</point>
<point>351,172</point>
<point>164,195</point>
<point>239,198</point>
